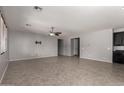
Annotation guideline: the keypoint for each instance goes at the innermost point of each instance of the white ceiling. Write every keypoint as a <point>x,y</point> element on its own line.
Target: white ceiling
<point>67,19</point>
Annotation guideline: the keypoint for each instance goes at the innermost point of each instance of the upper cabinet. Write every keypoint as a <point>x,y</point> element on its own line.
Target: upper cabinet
<point>118,39</point>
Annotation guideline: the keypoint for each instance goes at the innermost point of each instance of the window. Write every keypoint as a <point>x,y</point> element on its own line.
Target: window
<point>3,36</point>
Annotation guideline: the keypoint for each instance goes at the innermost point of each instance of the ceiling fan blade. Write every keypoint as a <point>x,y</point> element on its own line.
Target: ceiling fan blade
<point>58,32</point>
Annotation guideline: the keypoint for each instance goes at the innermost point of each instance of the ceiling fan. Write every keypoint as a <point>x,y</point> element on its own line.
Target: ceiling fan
<point>54,33</point>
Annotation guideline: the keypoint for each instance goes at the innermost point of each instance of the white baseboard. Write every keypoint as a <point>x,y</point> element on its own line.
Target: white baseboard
<point>96,59</point>
<point>4,73</point>
<point>30,58</point>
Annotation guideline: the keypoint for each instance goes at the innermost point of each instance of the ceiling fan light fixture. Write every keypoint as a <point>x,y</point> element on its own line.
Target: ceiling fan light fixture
<point>52,34</point>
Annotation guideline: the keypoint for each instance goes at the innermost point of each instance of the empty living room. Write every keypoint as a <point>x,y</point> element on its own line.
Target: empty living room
<point>61,45</point>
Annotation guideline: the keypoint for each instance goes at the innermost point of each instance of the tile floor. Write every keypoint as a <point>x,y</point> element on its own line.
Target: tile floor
<point>63,71</point>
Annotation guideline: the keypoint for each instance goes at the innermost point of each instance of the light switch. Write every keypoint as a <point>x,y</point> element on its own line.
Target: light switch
<point>108,48</point>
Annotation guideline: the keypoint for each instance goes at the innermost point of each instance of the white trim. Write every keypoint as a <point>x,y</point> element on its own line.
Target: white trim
<point>96,59</point>
<point>4,73</point>
<point>30,58</point>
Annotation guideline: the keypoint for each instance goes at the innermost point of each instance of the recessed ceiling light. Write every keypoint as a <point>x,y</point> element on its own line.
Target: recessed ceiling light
<point>29,25</point>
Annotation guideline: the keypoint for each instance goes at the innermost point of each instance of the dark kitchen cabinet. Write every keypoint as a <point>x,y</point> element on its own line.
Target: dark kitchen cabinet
<point>118,53</point>
<point>119,39</point>
<point>118,56</point>
<point>122,39</point>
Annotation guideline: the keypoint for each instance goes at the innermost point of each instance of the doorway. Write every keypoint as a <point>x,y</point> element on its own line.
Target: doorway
<point>75,47</point>
<point>60,47</point>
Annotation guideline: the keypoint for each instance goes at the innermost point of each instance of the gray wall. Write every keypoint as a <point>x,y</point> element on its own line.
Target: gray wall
<point>22,46</point>
<point>93,45</point>
<point>97,45</point>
